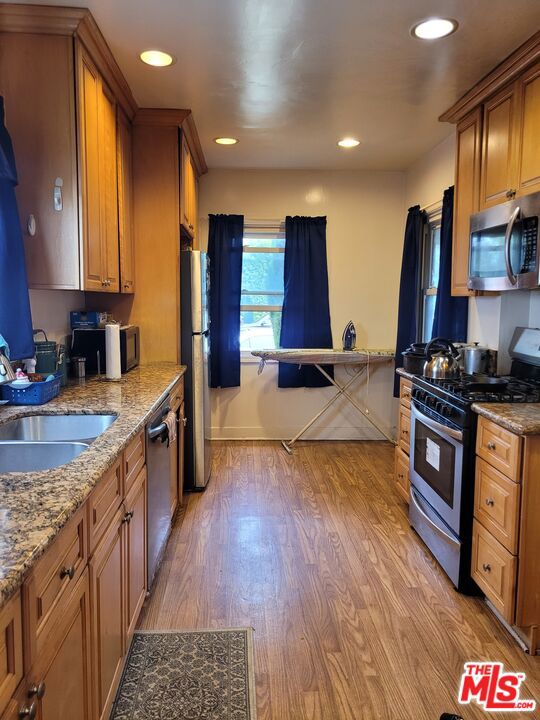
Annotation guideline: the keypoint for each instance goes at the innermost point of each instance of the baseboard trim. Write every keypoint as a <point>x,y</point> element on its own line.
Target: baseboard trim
<point>280,433</point>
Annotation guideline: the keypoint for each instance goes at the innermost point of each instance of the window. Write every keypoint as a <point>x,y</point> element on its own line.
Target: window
<point>261,300</point>
<point>431,260</point>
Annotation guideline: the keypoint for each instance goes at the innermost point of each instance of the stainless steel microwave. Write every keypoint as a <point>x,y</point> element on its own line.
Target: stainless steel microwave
<point>503,247</point>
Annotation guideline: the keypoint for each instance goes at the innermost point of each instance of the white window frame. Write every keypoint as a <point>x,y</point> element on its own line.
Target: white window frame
<point>433,222</point>
<point>261,228</point>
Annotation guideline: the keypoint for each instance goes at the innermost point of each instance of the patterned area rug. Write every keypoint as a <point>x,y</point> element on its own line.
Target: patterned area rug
<point>206,675</point>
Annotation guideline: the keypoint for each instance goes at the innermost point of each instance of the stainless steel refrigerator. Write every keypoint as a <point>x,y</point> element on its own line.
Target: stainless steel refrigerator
<point>194,334</point>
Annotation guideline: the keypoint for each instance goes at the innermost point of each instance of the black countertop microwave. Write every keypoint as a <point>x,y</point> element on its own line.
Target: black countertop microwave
<point>504,248</point>
<point>90,343</point>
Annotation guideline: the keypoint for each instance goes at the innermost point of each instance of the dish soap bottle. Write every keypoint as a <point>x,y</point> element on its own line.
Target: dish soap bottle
<point>349,336</point>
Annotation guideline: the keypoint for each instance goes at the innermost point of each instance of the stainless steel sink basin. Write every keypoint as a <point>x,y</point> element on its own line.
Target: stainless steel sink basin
<point>35,456</point>
<point>54,428</point>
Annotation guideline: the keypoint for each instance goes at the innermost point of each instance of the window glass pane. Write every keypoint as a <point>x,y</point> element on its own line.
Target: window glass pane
<point>262,272</point>
<point>259,330</point>
<point>256,299</point>
<point>259,241</point>
<point>429,314</point>
<point>435,257</point>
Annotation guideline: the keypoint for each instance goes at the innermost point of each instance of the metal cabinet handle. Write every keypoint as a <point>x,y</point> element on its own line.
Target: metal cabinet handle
<point>490,501</point>
<point>191,227</point>
<point>127,517</point>
<point>486,567</point>
<point>37,690</point>
<point>67,572</point>
<point>510,193</point>
<point>491,446</point>
<point>28,711</point>
<point>184,421</point>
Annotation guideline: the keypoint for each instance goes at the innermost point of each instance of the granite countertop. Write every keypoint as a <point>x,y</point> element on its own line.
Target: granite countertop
<point>35,506</point>
<point>519,418</point>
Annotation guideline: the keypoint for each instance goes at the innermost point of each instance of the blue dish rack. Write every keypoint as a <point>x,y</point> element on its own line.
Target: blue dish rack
<point>37,393</point>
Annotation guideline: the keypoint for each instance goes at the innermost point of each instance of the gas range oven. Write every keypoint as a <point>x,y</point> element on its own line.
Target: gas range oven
<point>442,456</point>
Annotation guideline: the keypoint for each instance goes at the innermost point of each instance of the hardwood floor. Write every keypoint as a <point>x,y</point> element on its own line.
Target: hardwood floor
<point>353,618</point>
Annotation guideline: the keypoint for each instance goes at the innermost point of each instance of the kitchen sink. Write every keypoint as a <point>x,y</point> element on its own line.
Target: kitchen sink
<point>56,428</point>
<point>35,456</point>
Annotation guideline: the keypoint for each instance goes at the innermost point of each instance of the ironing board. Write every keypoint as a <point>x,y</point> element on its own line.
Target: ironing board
<point>360,358</point>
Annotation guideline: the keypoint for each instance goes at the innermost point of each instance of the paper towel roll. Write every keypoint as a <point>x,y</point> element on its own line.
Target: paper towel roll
<point>112,351</point>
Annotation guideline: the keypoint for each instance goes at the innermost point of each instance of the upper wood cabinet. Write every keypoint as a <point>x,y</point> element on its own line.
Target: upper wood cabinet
<point>36,81</point>
<point>188,191</point>
<point>98,176</point>
<point>125,203</point>
<point>528,170</point>
<point>469,134</point>
<point>499,147</point>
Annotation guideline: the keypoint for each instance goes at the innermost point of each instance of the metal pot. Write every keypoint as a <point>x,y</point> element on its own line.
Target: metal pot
<point>476,359</point>
<point>442,364</point>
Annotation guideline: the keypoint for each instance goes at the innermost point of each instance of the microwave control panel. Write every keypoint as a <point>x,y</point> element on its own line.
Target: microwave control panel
<point>529,244</point>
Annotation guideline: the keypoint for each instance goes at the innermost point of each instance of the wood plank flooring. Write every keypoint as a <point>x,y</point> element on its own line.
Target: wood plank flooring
<point>353,618</point>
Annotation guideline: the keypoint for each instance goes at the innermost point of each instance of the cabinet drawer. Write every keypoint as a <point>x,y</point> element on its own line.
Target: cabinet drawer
<point>401,470</point>
<point>405,390</point>
<point>496,504</point>
<point>500,448</point>
<point>104,502</point>
<point>494,569</point>
<point>177,395</point>
<point>404,428</point>
<point>54,576</point>
<point>134,458</point>
<point>11,649</point>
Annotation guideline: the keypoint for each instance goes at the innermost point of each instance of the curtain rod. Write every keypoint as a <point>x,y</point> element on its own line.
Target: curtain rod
<point>264,223</point>
<point>433,206</point>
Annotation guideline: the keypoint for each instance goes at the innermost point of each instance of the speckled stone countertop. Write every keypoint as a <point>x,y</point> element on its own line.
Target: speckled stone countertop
<point>404,373</point>
<point>519,418</point>
<point>35,506</point>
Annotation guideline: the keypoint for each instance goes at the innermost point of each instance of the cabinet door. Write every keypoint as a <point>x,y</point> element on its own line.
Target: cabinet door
<point>135,546</point>
<point>36,81</point>
<point>529,146</point>
<point>498,182</point>
<point>108,623</point>
<point>108,186</point>
<point>468,154</point>
<point>182,420</point>
<point>64,669</point>
<point>125,204</point>
<point>187,190</point>
<point>89,91</point>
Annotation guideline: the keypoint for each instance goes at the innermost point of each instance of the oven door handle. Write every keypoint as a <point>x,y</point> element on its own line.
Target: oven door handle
<point>417,504</point>
<point>437,426</point>
<point>507,238</point>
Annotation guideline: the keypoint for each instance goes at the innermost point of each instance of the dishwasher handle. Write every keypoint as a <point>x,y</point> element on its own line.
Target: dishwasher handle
<point>154,433</point>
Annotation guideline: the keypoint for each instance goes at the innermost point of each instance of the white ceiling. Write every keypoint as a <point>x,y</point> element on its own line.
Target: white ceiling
<point>290,77</point>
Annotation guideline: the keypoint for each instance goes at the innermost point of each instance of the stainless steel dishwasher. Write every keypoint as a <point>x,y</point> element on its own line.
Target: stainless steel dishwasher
<point>158,487</point>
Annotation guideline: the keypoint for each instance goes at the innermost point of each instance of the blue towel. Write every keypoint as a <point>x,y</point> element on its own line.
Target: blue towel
<point>15,314</point>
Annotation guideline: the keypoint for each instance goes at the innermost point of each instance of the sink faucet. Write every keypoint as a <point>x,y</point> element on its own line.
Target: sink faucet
<point>6,371</point>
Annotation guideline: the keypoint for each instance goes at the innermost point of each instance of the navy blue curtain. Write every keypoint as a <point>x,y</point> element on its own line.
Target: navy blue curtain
<point>15,315</point>
<point>306,310</point>
<point>451,313</point>
<point>225,239</point>
<point>411,265</point>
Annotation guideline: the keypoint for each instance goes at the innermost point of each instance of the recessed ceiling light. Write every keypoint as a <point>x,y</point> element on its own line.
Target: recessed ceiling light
<point>225,141</point>
<point>348,142</point>
<point>156,58</point>
<point>434,28</point>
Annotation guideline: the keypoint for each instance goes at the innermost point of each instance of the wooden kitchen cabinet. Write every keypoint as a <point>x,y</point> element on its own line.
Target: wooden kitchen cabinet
<point>98,174</point>
<point>11,645</point>
<point>401,452</point>
<point>63,668</point>
<point>188,191</point>
<point>499,147</point>
<point>468,157</point>
<point>173,470</point>
<point>107,584</point>
<point>135,552</point>
<point>528,171</point>
<point>36,81</point>
<point>125,204</point>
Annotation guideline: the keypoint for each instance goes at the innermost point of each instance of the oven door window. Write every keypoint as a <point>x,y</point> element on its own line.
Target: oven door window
<point>434,461</point>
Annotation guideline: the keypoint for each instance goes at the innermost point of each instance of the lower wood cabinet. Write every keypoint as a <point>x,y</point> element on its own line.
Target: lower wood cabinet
<point>401,456</point>
<point>108,624</point>
<point>135,552</point>
<point>11,651</point>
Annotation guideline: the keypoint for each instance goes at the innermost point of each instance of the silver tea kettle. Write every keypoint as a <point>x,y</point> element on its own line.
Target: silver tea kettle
<point>442,363</point>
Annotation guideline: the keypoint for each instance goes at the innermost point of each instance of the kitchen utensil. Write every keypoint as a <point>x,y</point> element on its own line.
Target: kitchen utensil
<point>79,366</point>
<point>414,358</point>
<point>442,364</point>
<point>486,384</point>
<point>349,336</point>
<point>476,359</point>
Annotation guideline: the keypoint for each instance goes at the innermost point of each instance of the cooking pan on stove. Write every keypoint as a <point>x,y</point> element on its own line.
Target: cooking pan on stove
<point>488,384</point>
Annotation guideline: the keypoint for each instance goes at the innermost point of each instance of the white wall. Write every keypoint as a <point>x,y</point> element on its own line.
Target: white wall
<point>365,212</point>
<point>428,178</point>
<point>50,311</point>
